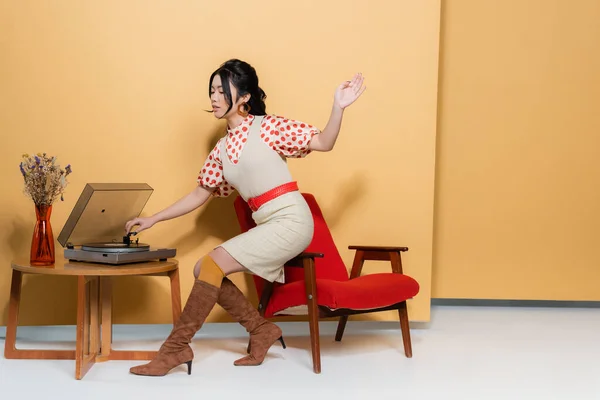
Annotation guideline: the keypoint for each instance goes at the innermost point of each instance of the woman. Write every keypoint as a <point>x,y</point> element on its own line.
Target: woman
<point>251,159</point>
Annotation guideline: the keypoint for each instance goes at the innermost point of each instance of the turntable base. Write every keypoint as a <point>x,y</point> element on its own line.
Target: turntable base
<point>110,255</point>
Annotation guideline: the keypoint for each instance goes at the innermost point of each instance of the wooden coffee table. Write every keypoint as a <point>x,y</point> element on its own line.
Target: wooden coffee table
<point>94,310</point>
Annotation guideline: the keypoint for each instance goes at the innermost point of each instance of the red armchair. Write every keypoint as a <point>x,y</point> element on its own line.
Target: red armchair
<point>317,283</point>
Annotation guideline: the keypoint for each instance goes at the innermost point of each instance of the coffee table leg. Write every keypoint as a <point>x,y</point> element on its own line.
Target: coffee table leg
<point>10,344</point>
<point>106,307</point>
<point>13,315</point>
<point>87,325</point>
<point>106,351</point>
<point>175,295</point>
<point>95,316</point>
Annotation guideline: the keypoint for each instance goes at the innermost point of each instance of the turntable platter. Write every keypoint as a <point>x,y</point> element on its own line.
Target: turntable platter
<point>115,247</point>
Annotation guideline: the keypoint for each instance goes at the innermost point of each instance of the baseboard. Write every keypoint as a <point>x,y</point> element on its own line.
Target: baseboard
<point>215,328</point>
<point>515,303</point>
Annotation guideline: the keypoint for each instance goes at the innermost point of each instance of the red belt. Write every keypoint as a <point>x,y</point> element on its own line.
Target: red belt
<point>256,202</point>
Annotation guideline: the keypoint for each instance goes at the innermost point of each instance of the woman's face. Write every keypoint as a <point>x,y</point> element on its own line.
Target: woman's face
<point>218,101</point>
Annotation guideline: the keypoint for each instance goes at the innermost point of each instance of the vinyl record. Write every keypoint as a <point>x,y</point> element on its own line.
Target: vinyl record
<point>115,247</point>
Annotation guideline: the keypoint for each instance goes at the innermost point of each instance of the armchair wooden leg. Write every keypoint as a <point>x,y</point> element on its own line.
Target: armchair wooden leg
<point>396,260</point>
<point>314,339</point>
<point>405,328</point>
<point>357,266</point>
<point>340,328</point>
<point>310,281</point>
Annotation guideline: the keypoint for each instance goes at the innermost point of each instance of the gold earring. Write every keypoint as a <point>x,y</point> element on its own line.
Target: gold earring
<point>244,109</point>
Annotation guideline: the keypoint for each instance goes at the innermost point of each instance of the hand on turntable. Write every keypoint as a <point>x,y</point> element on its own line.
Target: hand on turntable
<point>143,223</point>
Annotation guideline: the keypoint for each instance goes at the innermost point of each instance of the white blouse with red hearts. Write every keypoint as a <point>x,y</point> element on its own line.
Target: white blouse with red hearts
<point>287,137</point>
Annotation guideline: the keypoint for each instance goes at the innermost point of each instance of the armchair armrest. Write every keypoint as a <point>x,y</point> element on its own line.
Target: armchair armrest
<point>377,248</point>
<point>310,255</point>
<point>300,259</point>
<point>376,253</point>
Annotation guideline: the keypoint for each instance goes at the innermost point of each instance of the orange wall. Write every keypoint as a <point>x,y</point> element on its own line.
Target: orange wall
<point>517,195</point>
<point>118,89</point>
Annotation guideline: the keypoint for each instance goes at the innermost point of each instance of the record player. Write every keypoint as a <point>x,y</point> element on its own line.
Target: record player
<point>95,230</point>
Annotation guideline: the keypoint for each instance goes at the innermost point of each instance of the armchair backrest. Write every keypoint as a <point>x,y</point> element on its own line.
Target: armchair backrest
<point>331,266</point>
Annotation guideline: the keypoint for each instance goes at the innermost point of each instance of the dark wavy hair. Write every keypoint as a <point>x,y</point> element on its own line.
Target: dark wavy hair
<point>243,76</point>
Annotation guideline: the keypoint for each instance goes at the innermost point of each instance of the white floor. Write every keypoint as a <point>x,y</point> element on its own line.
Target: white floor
<point>464,353</point>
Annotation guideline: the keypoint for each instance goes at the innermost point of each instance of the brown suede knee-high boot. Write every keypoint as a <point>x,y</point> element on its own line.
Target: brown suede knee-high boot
<point>176,350</point>
<point>262,332</point>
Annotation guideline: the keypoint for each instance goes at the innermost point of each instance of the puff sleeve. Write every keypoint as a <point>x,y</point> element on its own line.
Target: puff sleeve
<point>211,174</point>
<point>290,138</point>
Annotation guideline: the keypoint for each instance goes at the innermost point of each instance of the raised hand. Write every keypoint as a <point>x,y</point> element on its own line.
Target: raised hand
<point>349,91</point>
<point>143,223</point>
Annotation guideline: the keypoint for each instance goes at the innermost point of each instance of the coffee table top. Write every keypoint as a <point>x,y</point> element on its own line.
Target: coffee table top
<point>63,266</point>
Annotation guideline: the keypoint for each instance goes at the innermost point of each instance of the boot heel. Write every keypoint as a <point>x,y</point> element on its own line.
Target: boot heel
<point>189,365</point>
<point>282,342</point>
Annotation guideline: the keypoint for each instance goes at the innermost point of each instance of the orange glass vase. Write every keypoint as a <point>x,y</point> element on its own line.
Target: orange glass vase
<point>42,244</point>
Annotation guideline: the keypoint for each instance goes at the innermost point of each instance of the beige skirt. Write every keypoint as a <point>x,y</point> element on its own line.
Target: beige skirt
<point>284,229</point>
